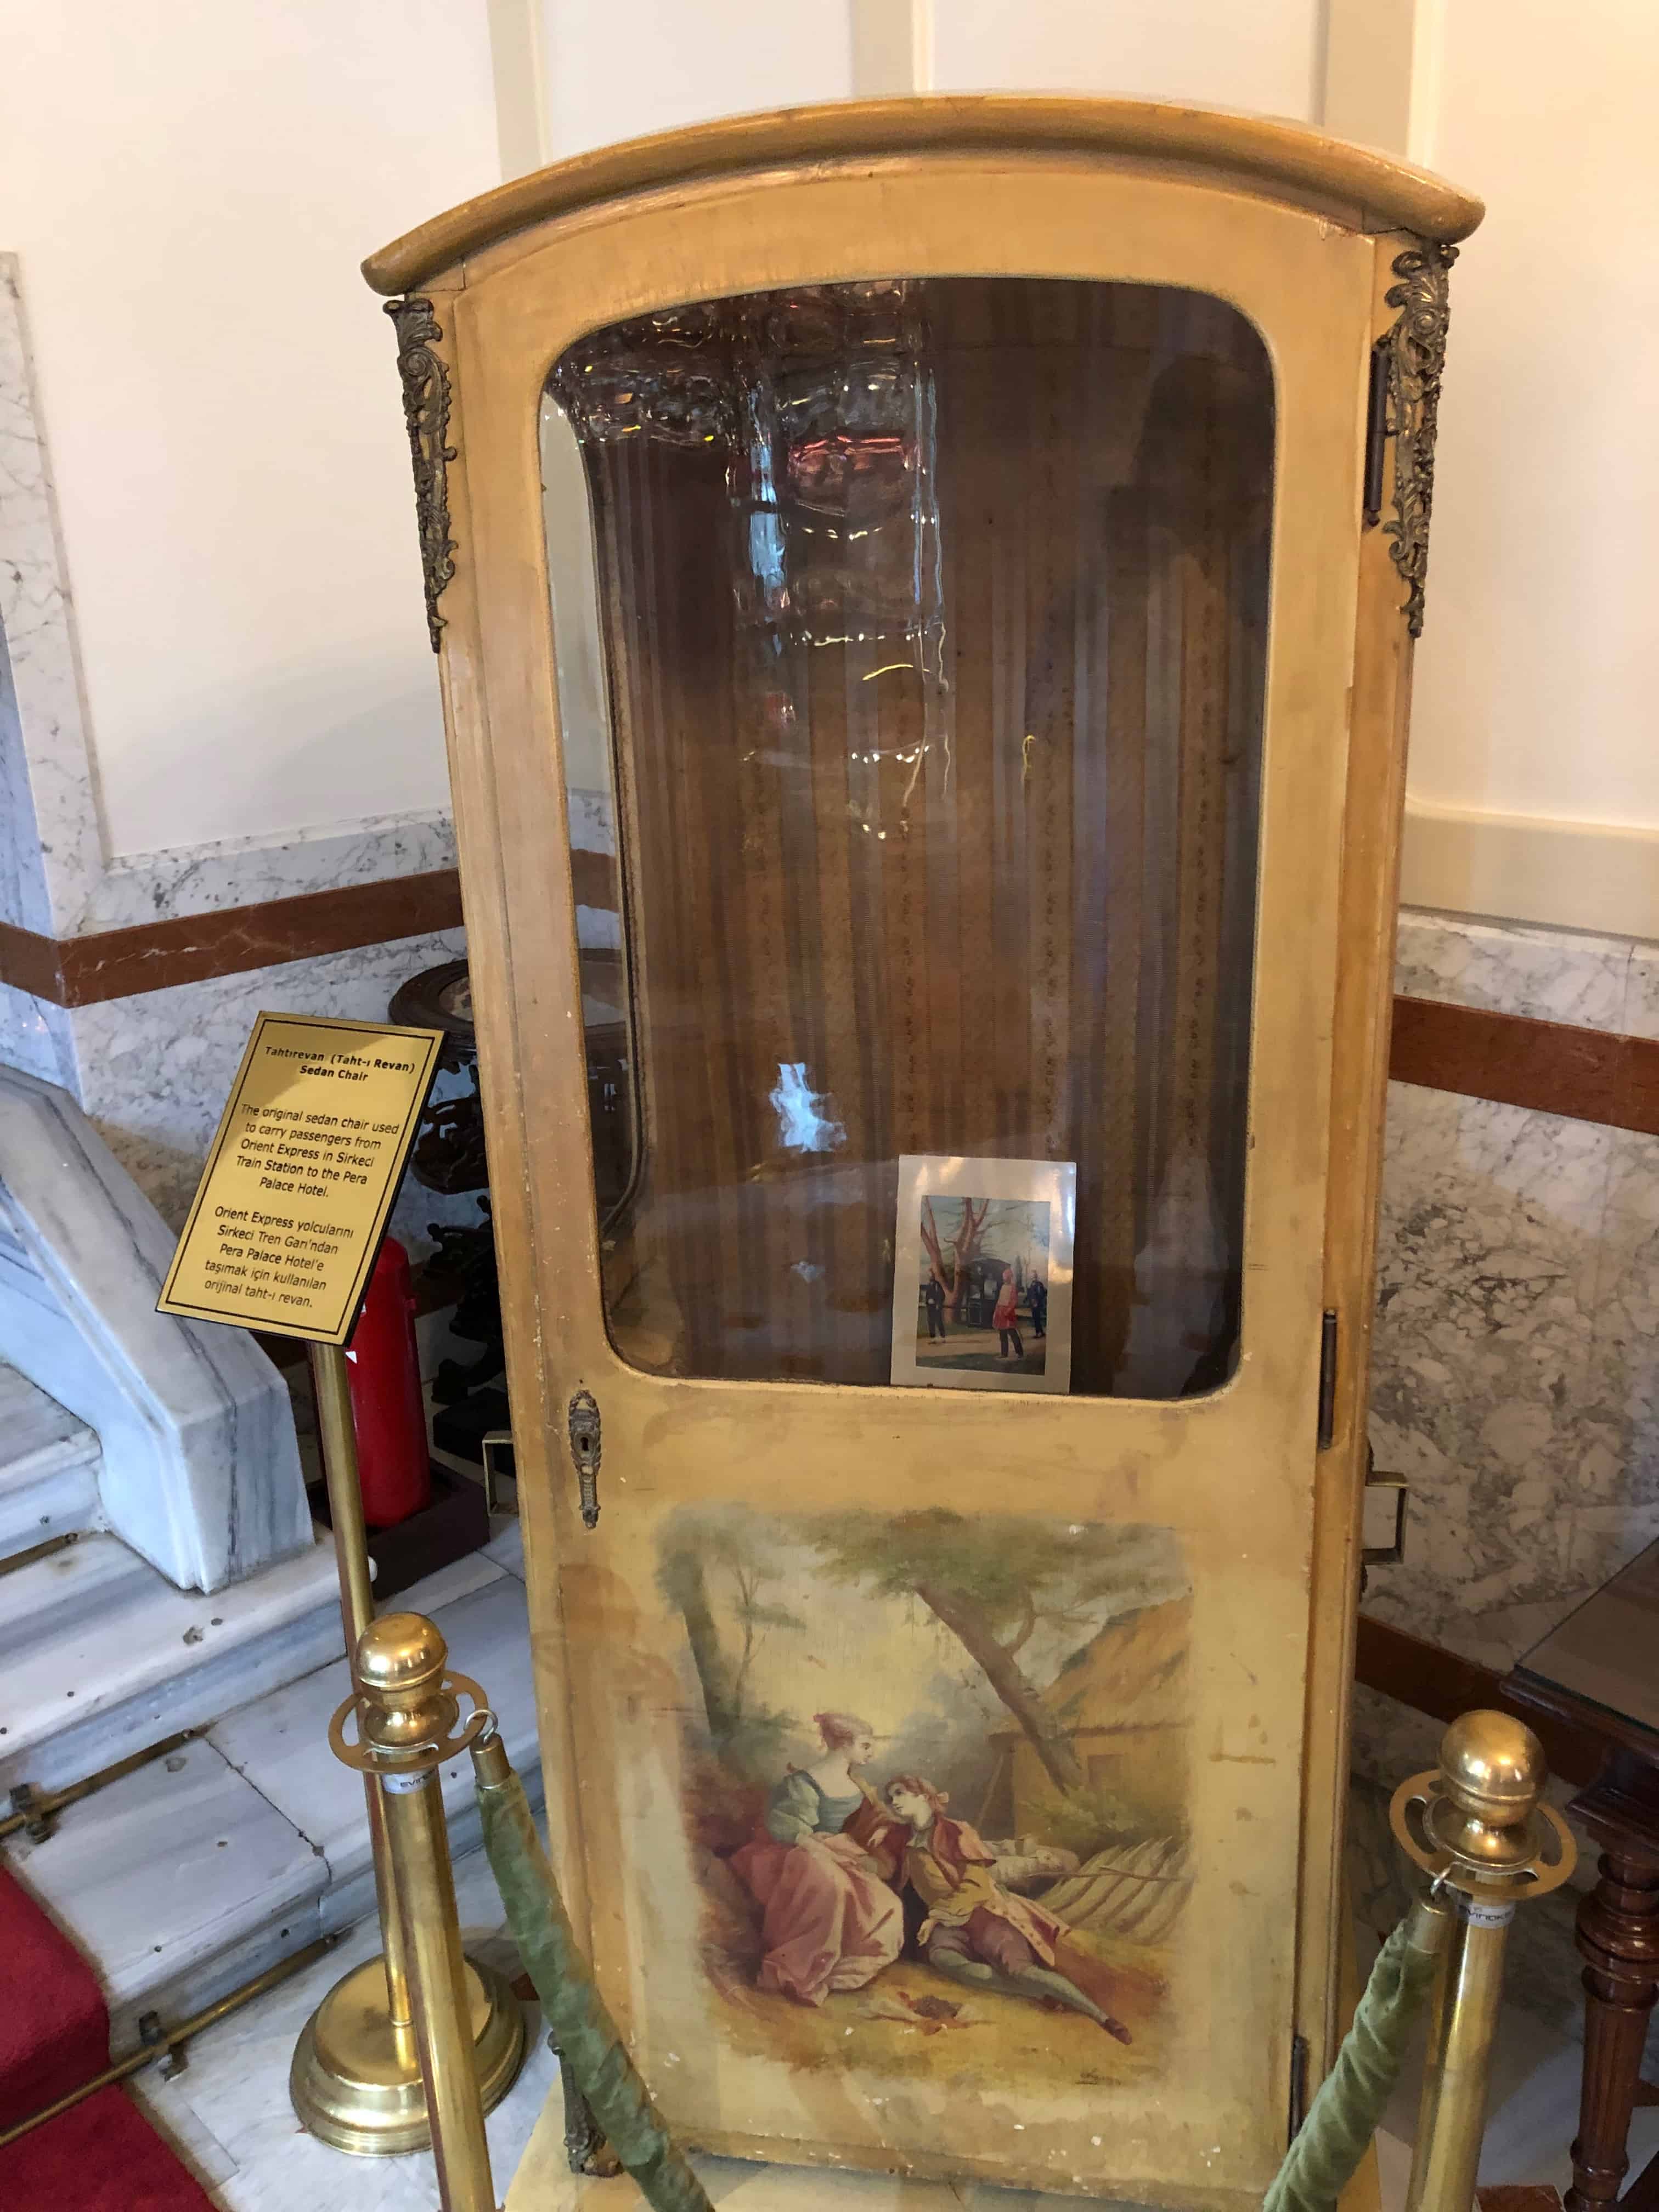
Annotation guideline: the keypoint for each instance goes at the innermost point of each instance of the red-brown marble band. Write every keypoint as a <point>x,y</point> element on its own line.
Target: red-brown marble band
<point>1550,1067</point>
<point>118,963</point>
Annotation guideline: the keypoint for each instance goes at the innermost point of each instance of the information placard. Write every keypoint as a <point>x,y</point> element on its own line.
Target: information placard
<point>294,1198</point>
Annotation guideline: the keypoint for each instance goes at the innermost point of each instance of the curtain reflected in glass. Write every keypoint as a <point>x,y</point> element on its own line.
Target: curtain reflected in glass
<point>911,643</point>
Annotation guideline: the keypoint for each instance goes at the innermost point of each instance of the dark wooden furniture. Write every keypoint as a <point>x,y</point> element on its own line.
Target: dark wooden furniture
<point>1599,1673</point>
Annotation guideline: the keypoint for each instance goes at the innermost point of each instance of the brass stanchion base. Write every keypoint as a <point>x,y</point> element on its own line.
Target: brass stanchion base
<point>356,2084</point>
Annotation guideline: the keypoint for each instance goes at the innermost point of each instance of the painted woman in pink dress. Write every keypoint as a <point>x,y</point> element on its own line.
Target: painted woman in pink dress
<point>829,1921</point>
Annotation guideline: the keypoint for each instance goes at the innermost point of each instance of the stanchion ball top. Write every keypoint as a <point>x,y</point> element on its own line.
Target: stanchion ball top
<point>399,1652</point>
<point>1493,1766</point>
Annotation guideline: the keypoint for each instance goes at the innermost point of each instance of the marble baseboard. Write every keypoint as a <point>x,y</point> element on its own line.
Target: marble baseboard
<point>1504,968</point>
<point>193,880</point>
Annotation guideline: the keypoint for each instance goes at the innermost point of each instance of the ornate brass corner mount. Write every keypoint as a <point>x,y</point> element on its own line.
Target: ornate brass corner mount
<point>1416,349</point>
<point>425,415</point>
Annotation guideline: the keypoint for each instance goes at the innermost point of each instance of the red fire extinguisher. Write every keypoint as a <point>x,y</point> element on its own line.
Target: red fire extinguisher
<point>382,1361</point>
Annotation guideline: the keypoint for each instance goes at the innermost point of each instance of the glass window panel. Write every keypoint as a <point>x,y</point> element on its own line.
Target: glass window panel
<point>911,641</point>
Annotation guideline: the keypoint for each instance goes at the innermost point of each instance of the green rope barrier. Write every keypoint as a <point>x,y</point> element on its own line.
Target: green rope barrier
<point>1343,2118</point>
<point>1317,2167</point>
<point>586,2036</point>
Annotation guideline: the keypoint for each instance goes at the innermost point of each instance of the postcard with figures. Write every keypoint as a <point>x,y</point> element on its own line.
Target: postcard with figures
<point>982,1273</point>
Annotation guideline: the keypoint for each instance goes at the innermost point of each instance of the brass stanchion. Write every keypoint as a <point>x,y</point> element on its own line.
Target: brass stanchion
<point>406,1708</point>
<point>1478,1826</point>
<point>356,2081</point>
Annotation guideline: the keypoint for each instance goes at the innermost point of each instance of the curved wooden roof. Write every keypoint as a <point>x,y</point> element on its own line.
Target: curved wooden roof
<point>1354,184</point>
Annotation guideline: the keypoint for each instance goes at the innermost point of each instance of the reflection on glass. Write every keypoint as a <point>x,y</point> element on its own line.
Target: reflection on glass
<point>911,640</point>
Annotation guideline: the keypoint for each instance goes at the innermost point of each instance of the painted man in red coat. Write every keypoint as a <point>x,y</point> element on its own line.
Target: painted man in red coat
<point>980,1934</point>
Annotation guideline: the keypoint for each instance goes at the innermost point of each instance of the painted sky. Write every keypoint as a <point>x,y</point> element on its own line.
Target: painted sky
<point>887,1658</point>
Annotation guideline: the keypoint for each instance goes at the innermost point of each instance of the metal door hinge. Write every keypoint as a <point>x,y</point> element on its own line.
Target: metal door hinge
<point>585,1448</point>
<point>1298,2111</point>
<point>500,1466</point>
<point>1389,1492</point>
<point>1327,1378</point>
<point>1376,432</point>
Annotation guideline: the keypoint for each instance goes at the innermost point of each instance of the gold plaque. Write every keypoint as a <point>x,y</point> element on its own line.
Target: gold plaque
<point>299,1185</point>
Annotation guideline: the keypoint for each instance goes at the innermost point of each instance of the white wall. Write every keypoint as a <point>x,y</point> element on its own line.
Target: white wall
<point>1533,789</point>
<point>1538,671</point>
<point>190,188</point>
<point>1262,54</point>
<point>614,71</point>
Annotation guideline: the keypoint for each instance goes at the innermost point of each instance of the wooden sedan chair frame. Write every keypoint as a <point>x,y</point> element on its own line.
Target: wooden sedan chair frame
<point>1338,257</point>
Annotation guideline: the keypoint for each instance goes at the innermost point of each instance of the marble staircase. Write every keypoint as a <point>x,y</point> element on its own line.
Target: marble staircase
<point>48,1470</point>
<point>202,1867</point>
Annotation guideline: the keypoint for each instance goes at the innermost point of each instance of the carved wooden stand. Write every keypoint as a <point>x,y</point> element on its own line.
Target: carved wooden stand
<point>1619,1936</point>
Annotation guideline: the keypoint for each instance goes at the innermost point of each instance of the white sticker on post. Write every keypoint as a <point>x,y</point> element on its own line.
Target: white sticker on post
<point>1474,1914</point>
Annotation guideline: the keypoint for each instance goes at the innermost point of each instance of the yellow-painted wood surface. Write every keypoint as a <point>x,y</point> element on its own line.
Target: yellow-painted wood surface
<point>1358,185</point>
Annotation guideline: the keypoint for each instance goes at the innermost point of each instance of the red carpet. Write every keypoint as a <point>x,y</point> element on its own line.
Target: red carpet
<point>102,2155</point>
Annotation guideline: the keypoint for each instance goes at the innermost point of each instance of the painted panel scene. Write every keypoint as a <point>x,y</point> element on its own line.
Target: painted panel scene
<point>983,1298</point>
<point>935,1787</point>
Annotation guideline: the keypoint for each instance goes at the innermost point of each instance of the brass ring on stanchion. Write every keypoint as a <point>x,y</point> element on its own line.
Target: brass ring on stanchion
<point>415,1758</point>
<point>1426,1795</point>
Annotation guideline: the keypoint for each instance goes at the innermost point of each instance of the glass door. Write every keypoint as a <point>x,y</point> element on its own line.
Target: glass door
<point>914,794</point>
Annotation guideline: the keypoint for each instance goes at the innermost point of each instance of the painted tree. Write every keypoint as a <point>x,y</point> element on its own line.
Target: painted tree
<point>964,1246</point>
<point>751,1566</point>
<point>992,1581</point>
<point>683,1581</point>
<point>721,1560</point>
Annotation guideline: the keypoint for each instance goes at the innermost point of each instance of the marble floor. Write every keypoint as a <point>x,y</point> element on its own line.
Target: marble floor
<point>229,2116</point>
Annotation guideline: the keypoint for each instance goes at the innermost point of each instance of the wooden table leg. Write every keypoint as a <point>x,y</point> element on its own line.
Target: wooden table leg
<point>1619,1938</point>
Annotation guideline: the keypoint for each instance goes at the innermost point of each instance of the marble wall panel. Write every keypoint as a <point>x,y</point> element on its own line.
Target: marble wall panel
<point>1489,1257</point>
<point>54,851</point>
<point>1515,1375</point>
<point>1620,1467</point>
<point>24,900</point>
<point>36,1036</point>
<point>1641,1017</point>
<point>153,1072</point>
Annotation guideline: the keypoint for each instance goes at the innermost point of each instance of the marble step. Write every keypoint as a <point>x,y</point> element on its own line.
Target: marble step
<point>49,1465</point>
<point>176,1883</point>
<point>275,1743</point>
<point>187,1877</point>
<point>100,1655</point>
